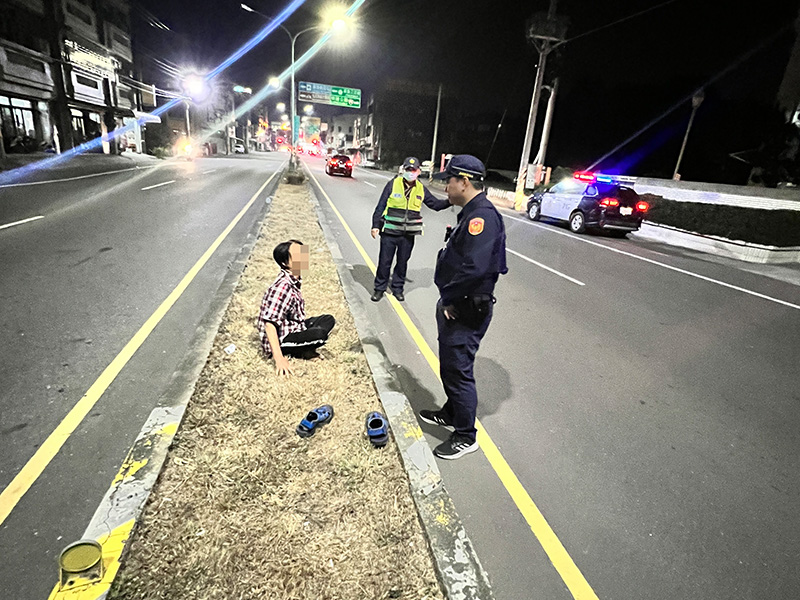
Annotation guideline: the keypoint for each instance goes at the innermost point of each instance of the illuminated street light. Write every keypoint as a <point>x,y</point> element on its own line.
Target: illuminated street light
<point>285,117</point>
<point>336,21</point>
<point>275,82</point>
<point>281,107</point>
<point>196,87</point>
<point>308,109</point>
<point>242,90</point>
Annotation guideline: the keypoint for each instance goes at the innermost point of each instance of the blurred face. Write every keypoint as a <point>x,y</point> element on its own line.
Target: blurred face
<point>299,259</point>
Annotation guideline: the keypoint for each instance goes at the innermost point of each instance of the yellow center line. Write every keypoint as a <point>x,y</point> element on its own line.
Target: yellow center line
<point>559,557</point>
<point>23,481</point>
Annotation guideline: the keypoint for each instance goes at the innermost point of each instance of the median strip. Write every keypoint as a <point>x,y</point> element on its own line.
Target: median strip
<point>244,506</point>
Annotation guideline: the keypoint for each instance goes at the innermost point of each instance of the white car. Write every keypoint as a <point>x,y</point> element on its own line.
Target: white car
<point>238,148</point>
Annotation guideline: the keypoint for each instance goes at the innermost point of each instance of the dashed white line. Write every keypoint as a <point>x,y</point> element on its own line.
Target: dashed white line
<point>21,222</point>
<point>150,187</point>
<point>372,184</point>
<point>207,172</point>
<point>77,177</point>
<point>660,264</point>
<point>545,267</point>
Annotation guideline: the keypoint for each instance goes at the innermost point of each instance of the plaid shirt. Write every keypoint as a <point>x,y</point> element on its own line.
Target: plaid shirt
<point>283,306</point>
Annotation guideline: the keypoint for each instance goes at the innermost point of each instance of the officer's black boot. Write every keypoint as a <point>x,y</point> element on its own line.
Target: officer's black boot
<point>377,295</point>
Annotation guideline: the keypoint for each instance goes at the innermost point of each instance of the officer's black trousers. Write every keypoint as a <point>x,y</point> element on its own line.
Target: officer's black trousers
<point>458,344</point>
<point>402,245</point>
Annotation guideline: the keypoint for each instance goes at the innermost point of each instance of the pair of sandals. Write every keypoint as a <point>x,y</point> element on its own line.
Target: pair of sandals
<point>376,425</point>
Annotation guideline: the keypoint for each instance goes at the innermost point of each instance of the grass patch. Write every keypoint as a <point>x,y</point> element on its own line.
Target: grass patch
<point>245,508</point>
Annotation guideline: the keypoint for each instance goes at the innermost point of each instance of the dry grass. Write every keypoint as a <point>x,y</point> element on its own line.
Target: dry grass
<point>247,509</point>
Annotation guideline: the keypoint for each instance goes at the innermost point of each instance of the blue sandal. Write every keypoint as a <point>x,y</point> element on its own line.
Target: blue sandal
<point>377,429</point>
<point>314,420</point>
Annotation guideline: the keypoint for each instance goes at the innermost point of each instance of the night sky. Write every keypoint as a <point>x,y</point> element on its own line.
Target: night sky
<point>611,83</point>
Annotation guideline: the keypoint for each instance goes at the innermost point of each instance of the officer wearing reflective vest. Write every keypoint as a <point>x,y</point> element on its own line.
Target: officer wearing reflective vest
<point>467,270</point>
<point>398,220</point>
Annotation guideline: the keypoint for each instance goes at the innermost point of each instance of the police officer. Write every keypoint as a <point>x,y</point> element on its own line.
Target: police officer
<point>398,220</point>
<point>466,272</point>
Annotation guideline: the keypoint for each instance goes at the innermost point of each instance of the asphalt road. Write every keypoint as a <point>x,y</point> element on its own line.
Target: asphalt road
<point>646,397</point>
<point>76,285</point>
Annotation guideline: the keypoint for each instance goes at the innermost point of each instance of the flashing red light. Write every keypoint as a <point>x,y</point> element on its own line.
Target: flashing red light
<point>280,140</point>
<point>609,202</point>
<point>315,141</point>
<point>642,206</point>
<point>587,176</point>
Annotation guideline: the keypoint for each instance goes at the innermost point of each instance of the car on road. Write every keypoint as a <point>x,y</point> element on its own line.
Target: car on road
<point>238,148</point>
<point>591,201</point>
<point>339,163</point>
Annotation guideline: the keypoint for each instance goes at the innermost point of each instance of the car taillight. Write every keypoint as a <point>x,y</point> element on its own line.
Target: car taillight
<point>334,162</point>
<point>609,202</point>
<point>642,206</point>
<point>349,163</point>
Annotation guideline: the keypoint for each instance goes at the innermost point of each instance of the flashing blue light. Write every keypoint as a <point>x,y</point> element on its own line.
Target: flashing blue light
<point>605,178</point>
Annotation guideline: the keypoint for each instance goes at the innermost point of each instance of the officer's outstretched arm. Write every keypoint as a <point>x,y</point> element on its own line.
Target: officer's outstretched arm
<point>433,202</point>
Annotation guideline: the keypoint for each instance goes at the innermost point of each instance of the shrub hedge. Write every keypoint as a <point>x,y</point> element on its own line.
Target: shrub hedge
<point>767,227</point>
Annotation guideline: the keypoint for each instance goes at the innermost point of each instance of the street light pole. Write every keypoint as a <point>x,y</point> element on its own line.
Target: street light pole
<point>436,131</point>
<point>697,100</point>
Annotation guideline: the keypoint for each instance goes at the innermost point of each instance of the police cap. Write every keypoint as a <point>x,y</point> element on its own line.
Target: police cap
<point>412,162</point>
<point>463,165</point>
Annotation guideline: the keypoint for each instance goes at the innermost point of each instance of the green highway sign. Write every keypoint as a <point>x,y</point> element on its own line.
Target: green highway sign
<point>335,95</point>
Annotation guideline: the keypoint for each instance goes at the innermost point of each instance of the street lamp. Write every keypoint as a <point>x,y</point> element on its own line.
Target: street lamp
<point>281,106</point>
<point>697,100</point>
<point>308,109</point>
<point>336,25</point>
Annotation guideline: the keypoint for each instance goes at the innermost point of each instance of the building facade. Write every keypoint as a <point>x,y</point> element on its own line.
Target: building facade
<point>67,74</point>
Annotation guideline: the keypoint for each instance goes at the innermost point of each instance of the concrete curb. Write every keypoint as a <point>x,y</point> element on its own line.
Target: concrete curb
<point>744,251</point>
<point>457,564</point>
<point>116,517</point>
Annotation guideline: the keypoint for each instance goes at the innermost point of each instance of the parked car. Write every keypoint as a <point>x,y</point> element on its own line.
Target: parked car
<point>238,148</point>
<point>591,201</point>
<point>339,163</point>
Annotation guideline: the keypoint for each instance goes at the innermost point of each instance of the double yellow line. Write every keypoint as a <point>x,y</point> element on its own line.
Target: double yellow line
<point>562,561</point>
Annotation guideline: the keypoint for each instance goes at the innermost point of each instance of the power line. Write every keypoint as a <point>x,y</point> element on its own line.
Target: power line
<point>622,20</point>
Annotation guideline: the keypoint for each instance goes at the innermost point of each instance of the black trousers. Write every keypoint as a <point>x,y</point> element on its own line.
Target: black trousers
<point>458,345</point>
<point>391,244</point>
<point>303,343</point>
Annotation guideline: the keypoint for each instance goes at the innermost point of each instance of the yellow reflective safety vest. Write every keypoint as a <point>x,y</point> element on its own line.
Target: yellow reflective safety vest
<point>402,214</point>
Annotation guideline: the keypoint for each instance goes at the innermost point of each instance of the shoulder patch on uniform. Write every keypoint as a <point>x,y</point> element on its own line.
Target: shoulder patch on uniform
<point>476,226</point>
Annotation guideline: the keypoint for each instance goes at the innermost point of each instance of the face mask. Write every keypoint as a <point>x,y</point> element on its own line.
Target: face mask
<point>410,175</point>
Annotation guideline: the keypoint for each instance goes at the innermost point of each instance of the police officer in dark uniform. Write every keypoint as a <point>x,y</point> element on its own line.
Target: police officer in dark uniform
<point>466,272</point>
<point>398,220</point>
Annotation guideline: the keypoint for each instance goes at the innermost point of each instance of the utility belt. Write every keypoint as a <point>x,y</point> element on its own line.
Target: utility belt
<point>474,309</point>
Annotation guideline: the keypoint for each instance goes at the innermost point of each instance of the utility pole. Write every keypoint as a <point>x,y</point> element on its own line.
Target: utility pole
<point>548,123</point>
<point>435,131</point>
<point>697,100</point>
<point>545,31</point>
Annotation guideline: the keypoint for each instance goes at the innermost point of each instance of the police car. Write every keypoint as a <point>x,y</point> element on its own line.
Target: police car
<point>591,201</point>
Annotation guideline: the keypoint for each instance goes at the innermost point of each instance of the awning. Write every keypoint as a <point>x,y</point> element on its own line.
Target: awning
<point>146,117</point>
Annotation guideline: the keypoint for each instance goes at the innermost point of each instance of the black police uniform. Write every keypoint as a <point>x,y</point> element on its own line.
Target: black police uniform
<point>467,269</point>
<point>397,242</point>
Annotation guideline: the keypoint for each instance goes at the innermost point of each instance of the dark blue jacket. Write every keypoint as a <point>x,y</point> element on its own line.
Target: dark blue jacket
<point>475,254</point>
<point>429,200</point>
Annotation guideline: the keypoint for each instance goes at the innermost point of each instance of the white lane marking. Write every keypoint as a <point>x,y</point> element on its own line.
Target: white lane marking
<point>207,172</point>
<point>660,264</point>
<point>10,185</point>
<point>545,267</point>
<point>150,187</point>
<point>372,184</point>
<point>21,222</point>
